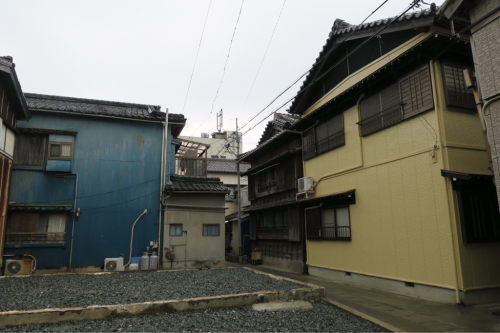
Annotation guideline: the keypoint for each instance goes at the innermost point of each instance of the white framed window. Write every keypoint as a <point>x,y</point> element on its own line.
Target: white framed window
<point>176,230</point>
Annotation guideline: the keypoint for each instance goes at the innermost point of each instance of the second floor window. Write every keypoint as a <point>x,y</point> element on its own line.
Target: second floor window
<point>327,136</point>
<point>60,150</point>
<point>406,98</point>
<point>30,150</point>
<point>266,180</point>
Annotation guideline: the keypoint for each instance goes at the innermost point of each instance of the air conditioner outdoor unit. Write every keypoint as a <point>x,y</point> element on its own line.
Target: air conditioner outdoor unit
<point>113,264</point>
<point>305,184</point>
<point>18,267</point>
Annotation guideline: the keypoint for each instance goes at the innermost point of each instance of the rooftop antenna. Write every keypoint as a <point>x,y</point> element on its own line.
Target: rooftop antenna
<point>219,121</point>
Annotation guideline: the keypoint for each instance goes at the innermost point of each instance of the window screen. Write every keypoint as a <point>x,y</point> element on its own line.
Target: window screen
<point>416,92</point>
<point>211,230</point>
<point>326,136</point>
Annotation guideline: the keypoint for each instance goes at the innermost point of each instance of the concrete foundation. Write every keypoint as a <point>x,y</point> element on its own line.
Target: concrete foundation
<point>286,264</point>
<point>282,306</point>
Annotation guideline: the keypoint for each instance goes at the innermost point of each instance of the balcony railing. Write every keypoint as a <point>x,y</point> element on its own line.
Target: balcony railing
<point>35,237</point>
<point>340,233</point>
<point>190,166</point>
<point>191,159</point>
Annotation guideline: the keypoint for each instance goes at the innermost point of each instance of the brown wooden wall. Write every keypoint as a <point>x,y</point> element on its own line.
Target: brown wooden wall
<point>6,108</point>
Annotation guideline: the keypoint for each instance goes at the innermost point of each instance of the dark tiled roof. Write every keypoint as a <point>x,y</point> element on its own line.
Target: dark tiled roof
<point>196,184</point>
<point>340,27</point>
<point>280,122</point>
<point>99,107</point>
<point>45,131</point>
<point>225,165</point>
<point>271,205</point>
<point>265,143</point>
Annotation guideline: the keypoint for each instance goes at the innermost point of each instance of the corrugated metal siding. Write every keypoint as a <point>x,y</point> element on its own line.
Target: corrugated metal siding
<point>5,181</point>
<point>118,163</point>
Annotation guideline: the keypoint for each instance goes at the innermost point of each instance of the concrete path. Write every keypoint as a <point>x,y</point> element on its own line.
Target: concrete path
<point>396,312</point>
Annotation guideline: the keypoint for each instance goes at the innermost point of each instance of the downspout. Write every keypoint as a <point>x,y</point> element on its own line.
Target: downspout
<point>73,226</point>
<point>162,181</point>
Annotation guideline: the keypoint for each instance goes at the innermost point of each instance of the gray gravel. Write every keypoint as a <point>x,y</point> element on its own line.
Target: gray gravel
<point>79,290</point>
<point>322,318</point>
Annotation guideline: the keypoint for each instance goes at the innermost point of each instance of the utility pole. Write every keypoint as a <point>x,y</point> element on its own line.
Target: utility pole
<point>240,252</point>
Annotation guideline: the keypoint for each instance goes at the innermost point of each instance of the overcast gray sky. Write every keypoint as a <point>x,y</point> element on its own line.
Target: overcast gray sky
<point>144,51</point>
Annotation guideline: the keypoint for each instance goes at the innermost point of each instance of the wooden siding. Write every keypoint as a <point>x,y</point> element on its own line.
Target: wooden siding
<point>30,150</point>
<point>6,108</point>
<point>280,249</point>
<point>295,223</point>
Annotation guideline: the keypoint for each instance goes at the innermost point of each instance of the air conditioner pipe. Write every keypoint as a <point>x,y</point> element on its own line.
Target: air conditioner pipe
<point>132,238</point>
<point>33,265</point>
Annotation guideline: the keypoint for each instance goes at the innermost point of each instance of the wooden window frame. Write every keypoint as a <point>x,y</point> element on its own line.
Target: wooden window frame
<point>52,143</point>
<point>269,183</point>
<point>449,101</point>
<point>36,237</point>
<point>311,144</point>
<point>315,228</point>
<point>170,229</point>
<point>210,225</point>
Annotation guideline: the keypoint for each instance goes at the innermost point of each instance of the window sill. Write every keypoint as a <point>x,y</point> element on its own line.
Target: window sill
<point>33,245</point>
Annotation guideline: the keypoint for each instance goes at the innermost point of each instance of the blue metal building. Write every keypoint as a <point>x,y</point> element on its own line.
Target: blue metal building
<point>84,171</point>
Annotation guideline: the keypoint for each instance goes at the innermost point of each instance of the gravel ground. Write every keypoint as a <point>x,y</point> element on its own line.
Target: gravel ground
<point>79,290</point>
<point>322,318</point>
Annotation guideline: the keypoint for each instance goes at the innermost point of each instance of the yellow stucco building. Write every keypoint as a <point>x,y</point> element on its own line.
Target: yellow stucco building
<point>403,198</point>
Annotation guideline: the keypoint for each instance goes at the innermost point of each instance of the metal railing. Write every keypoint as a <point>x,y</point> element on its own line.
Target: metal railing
<point>35,237</point>
<point>385,118</point>
<point>333,141</point>
<point>190,166</point>
<point>335,233</point>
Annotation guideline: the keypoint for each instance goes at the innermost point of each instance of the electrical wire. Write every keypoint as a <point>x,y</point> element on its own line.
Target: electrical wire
<point>121,203</point>
<point>312,67</point>
<point>196,58</point>
<point>263,58</point>
<point>224,70</point>
<point>413,4</point>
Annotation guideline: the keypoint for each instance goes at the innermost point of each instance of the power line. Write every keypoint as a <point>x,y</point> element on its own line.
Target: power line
<point>92,195</point>
<point>121,203</point>
<point>224,70</point>
<point>197,52</point>
<point>319,60</point>
<point>413,4</point>
<point>264,57</point>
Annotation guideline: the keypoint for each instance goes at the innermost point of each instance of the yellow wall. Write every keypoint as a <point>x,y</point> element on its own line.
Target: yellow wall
<point>464,150</point>
<point>405,221</point>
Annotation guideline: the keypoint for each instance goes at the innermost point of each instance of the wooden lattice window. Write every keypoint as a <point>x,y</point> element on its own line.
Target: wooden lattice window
<point>456,91</point>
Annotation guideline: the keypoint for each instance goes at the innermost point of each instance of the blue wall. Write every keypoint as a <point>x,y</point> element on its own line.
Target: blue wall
<point>118,164</point>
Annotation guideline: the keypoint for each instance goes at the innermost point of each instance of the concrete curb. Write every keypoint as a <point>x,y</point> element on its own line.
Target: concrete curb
<point>310,292</point>
<point>372,320</point>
